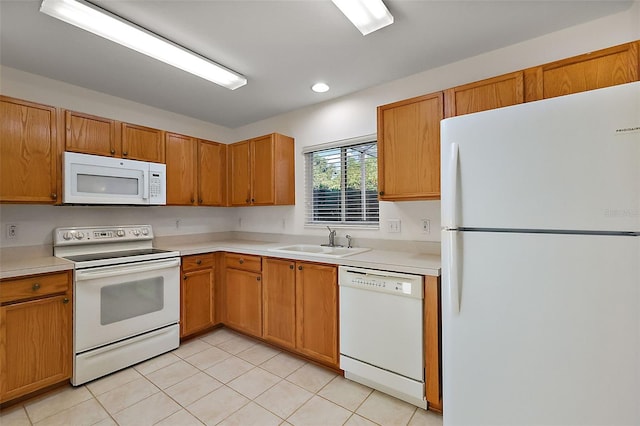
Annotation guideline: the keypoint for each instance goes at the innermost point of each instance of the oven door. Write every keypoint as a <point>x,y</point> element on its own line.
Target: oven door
<point>116,302</point>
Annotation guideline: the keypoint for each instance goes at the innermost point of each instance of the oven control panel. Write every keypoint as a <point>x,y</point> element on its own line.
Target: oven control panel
<point>102,234</point>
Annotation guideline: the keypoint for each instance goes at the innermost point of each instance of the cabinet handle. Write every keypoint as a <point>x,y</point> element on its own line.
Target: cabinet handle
<point>253,200</point>
<point>54,195</point>
<point>257,278</point>
<point>199,262</point>
<point>300,268</point>
<point>193,200</point>
<point>65,300</point>
<point>381,192</point>
<point>113,152</point>
<point>184,277</point>
<point>35,287</point>
<point>200,200</point>
<point>246,201</point>
<point>241,261</point>
<point>125,153</point>
<point>290,266</point>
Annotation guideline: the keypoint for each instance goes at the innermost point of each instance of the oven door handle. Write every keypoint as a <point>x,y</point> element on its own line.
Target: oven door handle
<point>115,270</point>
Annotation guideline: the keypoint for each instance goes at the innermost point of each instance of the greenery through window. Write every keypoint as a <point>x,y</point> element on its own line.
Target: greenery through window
<point>342,185</point>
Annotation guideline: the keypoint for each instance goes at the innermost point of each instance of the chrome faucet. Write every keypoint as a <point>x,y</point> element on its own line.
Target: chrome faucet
<point>349,238</point>
<point>332,238</point>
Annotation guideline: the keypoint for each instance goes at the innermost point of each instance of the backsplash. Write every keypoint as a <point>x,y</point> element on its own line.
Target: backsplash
<point>35,223</point>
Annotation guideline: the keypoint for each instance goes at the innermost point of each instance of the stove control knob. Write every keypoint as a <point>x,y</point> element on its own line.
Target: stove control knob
<point>145,231</point>
<point>136,232</point>
<point>67,236</point>
<point>120,233</point>
<point>79,236</point>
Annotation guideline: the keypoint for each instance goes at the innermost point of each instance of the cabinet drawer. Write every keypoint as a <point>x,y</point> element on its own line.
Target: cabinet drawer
<point>198,261</point>
<point>34,286</point>
<point>244,262</point>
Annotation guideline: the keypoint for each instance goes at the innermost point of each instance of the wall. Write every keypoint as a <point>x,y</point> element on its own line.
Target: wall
<point>343,118</point>
<point>355,115</point>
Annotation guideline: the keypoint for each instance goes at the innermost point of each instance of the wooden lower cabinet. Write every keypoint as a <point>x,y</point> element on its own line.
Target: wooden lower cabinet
<point>243,289</point>
<point>197,294</point>
<point>432,343</point>
<point>35,333</point>
<point>301,308</point>
<point>317,311</point>
<point>279,302</point>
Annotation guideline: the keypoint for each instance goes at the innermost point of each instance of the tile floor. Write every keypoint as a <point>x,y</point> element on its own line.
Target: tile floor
<point>221,378</point>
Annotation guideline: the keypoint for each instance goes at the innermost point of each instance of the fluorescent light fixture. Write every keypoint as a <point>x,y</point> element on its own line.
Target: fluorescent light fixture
<point>320,87</point>
<point>100,22</point>
<point>367,15</point>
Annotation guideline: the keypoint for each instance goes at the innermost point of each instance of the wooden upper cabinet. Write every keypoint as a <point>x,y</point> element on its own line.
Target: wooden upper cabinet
<point>89,134</point>
<point>496,92</point>
<point>263,165</point>
<point>262,171</point>
<point>142,143</point>
<point>181,155</point>
<point>409,148</point>
<point>595,70</point>
<point>212,173</point>
<point>239,174</point>
<point>29,152</point>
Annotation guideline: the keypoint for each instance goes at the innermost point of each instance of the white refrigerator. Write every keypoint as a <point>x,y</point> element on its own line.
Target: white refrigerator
<point>541,262</point>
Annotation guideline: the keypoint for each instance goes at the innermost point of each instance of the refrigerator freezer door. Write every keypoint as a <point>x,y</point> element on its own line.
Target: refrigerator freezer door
<point>548,330</point>
<point>567,163</point>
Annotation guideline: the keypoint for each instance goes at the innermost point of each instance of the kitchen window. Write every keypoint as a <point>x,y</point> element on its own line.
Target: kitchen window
<point>341,181</point>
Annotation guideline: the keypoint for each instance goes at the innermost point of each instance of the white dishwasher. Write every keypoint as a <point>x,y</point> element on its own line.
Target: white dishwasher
<point>381,331</point>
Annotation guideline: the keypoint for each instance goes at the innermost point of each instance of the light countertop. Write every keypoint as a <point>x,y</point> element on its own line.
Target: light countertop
<point>30,260</point>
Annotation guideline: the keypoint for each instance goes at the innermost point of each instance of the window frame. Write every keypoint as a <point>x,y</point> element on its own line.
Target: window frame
<point>343,146</point>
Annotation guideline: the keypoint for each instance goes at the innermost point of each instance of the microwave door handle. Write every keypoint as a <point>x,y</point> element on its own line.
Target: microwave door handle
<point>145,185</point>
<point>113,271</point>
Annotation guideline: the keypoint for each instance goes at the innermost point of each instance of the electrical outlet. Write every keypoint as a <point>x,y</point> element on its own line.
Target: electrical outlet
<point>393,225</point>
<point>426,226</point>
<point>12,231</point>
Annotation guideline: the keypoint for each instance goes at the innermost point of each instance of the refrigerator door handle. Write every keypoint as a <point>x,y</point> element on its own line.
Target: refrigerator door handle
<point>451,221</point>
<point>452,260</point>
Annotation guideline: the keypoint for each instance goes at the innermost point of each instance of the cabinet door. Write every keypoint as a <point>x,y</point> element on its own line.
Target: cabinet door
<point>263,169</point>
<point>432,345</point>
<point>244,301</point>
<point>212,172</point>
<point>28,152</point>
<point>35,345</point>
<point>197,307</point>
<point>181,155</point>
<point>89,134</point>
<point>239,174</point>
<point>317,311</point>
<point>595,70</point>
<point>496,92</point>
<point>409,149</point>
<point>142,143</point>
<point>279,302</point>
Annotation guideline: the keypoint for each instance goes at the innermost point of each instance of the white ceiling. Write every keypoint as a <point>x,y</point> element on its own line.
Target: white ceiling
<point>282,47</point>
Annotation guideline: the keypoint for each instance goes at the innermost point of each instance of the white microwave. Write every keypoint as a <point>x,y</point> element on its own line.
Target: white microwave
<point>93,179</point>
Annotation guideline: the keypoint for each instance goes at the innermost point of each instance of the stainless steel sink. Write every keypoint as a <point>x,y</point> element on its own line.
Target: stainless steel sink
<point>318,250</point>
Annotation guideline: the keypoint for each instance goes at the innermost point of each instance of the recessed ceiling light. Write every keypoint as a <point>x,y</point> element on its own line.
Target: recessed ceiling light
<point>100,22</point>
<point>367,15</point>
<point>320,87</point>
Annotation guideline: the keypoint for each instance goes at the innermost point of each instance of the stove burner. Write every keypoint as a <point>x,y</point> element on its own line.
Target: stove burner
<point>113,255</point>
